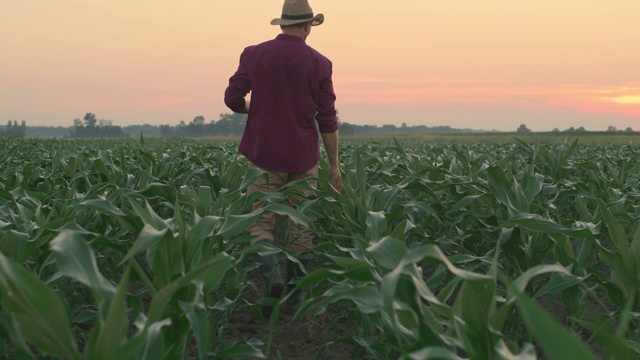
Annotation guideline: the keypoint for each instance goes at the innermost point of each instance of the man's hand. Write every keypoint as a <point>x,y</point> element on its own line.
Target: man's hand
<point>331,146</point>
<point>336,180</point>
<point>246,109</point>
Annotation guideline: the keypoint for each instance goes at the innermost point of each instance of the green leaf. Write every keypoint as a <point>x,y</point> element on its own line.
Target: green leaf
<point>153,345</point>
<point>475,305</point>
<point>148,238</point>
<point>367,298</point>
<point>619,237</point>
<point>197,314</point>
<point>215,270</point>
<point>376,225</point>
<point>250,177</point>
<point>434,252</point>
<point>37,310</point>
<point>354,268</point>
<point>557,284</point>
<point>533,186</point>
<point>235,224</point>
<point>294,215</point>
<point>239,351</point>
<point>523,280</point>
<point>503,353</point>
<point>361,174</point>
<point>499,186</point>
<point>102,206</point>
<point>199,233</point>
<point>388,252</point>
<point>434,353</point>
<point>388,287</point>
<point>14,244</point>
<point>110,333</point>
<point>76,260</point>
<point>204,200</point>
<point>635,244</point>
<point>147,215</point>
<point>555,340</point>
<point>535,222</point>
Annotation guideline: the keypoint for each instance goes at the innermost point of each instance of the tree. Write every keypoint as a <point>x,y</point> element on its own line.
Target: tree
<point>612,128</point>
<point>389,129</point>
<point>629,130</point>
<point>13,130</point>
<point>91,127</point>
<point>347,129</point>
<point>523,129</point>
<point>90,120</point>
<point>105,122</point>
<point>198,120</point>
<point>166,131</point>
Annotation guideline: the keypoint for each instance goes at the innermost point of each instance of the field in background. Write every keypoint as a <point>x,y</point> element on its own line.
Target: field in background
<point>469,246</point>
<point>542,138</point>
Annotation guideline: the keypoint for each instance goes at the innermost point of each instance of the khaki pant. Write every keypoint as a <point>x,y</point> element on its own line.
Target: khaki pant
<point>299,237</point>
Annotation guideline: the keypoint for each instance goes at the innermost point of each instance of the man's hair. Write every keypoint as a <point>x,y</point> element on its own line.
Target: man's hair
<point>298,25</point>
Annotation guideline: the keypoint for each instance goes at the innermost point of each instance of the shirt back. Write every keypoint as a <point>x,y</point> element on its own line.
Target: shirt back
<point>291,88</point>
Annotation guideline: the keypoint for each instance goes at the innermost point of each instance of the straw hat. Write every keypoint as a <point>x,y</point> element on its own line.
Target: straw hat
<point>297,11</point>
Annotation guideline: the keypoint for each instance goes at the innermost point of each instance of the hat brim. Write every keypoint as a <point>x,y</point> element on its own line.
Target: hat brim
<point>316,20</point>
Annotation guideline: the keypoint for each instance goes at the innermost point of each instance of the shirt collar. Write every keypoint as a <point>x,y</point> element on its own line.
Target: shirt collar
<point>289,38</point>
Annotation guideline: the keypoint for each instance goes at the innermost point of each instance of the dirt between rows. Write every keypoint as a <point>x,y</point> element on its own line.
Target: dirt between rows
<point>305,338</point>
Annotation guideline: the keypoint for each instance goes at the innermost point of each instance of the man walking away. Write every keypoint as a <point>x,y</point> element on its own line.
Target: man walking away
<point>291,91</point>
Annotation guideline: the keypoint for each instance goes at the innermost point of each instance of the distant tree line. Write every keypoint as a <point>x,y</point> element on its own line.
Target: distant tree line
<point>226,125</point>
<point>91,127</point>
<point>614,129</point>
<point>347,129</point>
<point>13,130</point>
<point>611,129</point>
<point>232,125</point>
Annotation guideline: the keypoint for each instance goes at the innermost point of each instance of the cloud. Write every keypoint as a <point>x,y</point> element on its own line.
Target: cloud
<point>623,99</point>
<point>154,88</point>
<point>425,92</point>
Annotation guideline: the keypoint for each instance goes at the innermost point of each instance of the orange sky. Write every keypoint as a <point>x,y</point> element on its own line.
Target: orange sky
<point>491,64</point>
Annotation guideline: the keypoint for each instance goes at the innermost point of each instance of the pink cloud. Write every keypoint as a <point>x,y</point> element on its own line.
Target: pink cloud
<point>617,99</point>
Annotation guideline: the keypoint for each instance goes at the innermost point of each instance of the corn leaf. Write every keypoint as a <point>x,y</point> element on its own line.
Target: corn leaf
<point>37,311</point>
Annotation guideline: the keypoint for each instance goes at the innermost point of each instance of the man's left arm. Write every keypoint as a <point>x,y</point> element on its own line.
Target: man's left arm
<point>238,88</point>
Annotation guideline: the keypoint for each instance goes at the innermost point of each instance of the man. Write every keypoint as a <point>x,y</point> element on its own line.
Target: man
<point>291,91</point>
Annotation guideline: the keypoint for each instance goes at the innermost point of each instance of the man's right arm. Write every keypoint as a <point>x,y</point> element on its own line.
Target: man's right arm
<point>330,141</point>
<point>328,125</point>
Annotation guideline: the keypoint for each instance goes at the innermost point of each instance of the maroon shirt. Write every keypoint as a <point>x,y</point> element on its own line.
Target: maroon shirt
<point>291,89</point>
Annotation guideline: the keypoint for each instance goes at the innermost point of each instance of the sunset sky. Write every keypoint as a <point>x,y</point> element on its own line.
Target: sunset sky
<point>491,64</point>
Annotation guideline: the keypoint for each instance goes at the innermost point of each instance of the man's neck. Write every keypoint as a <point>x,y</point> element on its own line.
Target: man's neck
<point>294,31</point>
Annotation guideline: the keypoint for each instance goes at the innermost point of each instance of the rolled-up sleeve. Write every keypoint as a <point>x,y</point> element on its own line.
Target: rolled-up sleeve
<point>239,87</point>
<point>327,116</point>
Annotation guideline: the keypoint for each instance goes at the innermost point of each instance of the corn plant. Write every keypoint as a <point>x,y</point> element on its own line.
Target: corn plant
<point>137,249</point>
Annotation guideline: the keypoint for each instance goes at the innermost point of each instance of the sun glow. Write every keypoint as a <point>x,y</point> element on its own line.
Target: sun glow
<point>624,95</point>
<point>625,99</point>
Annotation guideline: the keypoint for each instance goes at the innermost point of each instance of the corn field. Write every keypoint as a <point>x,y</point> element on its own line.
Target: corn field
<point>137,249</point>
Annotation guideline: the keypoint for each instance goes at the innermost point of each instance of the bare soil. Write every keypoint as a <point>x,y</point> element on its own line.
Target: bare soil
<point>306,338</point>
